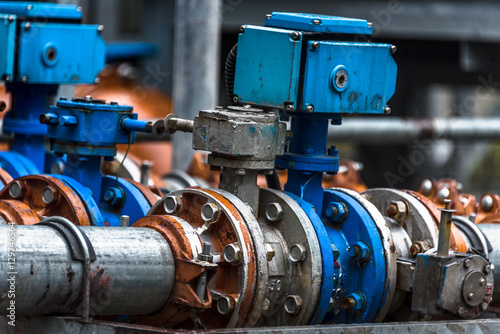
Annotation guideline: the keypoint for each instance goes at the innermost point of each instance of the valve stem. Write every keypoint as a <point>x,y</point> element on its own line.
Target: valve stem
<point>445,229</point>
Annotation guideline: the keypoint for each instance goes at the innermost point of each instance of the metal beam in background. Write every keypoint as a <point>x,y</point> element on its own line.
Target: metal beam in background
<point>196,66</point>
<point>396,131</point>
<point>74,325</point>
<point>427,20</point>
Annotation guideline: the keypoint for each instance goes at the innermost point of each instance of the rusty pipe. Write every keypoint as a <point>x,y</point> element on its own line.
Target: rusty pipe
<point>133,273</point>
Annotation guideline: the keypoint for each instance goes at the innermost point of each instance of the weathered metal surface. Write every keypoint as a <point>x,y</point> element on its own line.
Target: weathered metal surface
<point>296,268</point>
<point>66,202</point>
<point>152,194</point>
<point>17,212</point>
<point>460,284</point>
<point>66,325</point>
<point>375,277</point>
<point>492,233</point>
<point>259,244</point>
<point>417,222</point>
<point>457,241</point>
<point>239,133</point>
<point>224,227</point>
<point>133,274</point>
<point>186,246</point>
<point>5,177</point>
<point>489,209</point>
<point>438,191</point>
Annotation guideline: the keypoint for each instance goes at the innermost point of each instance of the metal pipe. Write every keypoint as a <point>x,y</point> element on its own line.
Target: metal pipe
<point>196,66</point>
<point>394,130</point>
<point>443,248</point>
<point>133,274</point>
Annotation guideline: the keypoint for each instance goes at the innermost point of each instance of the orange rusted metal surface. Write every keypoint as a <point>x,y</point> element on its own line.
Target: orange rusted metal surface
<point>465,204</point>
<point>489,215</point>
<point>183,301</point>
<point>236,282</point>
<point>457,241</point>
<point>5,177</point>
<point>348,177</point>
<point>66,202</point>
<point>18,212</point>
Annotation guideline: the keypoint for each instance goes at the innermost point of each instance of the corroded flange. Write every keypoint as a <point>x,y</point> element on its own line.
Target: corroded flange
<point>185,245</point>
<point>457,241</point>
<point>217,221</point>
<point>59,199</point>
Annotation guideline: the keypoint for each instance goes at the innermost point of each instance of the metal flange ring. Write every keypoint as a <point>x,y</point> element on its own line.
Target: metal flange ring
<point>375,278</point>
<point>47,196</point>
<point>457,242</point>
<point>260,253</point>
<point>295,270</point>
<point>221,224</point>
<point>186,246</point>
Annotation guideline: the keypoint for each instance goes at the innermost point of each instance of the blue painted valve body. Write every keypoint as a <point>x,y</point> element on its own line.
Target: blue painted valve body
<point>87,130</point>
<point>315,69</point>
<point>41,52</point>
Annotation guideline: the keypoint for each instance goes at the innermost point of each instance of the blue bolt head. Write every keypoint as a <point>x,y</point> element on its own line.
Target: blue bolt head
<point>360,252</point>
<point>307,151</point>
<point>354,302</point>
<point>336,212</point>
<point>114,196</point>
<point>333,152</point>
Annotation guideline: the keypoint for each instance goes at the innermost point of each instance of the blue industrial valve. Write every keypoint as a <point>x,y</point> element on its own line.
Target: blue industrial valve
<point>87,130</point>
<point>314,68</point>
<point>44,46</point>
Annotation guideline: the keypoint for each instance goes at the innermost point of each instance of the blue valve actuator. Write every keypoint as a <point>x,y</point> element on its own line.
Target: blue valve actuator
<point>314,64</point>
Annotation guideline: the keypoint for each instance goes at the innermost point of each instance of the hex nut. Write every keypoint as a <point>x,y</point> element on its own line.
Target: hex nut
<point>293,304</point>
<point>16,189</point>
<point>224,305</point>
<point>426,187</point>
<point>48,195</point>
<point>274,212</point>
<point>172,204</point>
<point>487,203</point>
<point>210,212</point>
<point>232,254</point>
<point>398,210</point>
<point>297,253</point>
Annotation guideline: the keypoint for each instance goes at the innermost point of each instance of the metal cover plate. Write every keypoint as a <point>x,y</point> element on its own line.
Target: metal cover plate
<point>8,42</point>
<point>79,53</point>
<point>318,23</point>
<point>371,77</point>
<point>42,10</point>
<point>267,66</point>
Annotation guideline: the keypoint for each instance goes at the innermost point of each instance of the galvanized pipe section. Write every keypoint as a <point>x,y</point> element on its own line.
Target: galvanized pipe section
<point>133,274</point>
<point>492,232</point>
<point>196,70</point>
<point>394,130</point>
